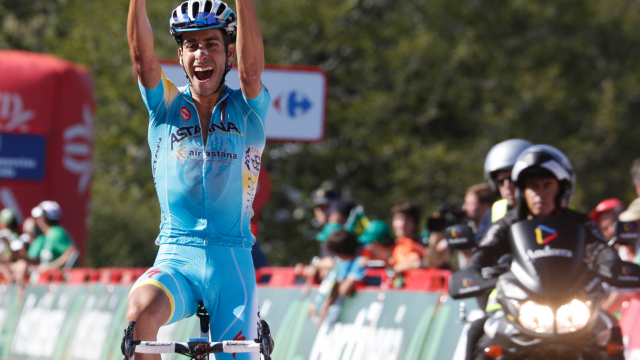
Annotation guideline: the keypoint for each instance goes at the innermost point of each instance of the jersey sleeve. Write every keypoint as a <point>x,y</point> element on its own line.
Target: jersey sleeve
<point>158,99</point>
<point>260,104</point>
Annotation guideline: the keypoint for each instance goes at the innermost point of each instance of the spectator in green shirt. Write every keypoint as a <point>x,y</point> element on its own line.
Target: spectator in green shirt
<point>57,249</point>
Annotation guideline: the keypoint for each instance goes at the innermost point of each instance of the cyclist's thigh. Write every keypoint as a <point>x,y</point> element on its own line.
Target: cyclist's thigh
<point>164,275</point>
<point>232,299</point>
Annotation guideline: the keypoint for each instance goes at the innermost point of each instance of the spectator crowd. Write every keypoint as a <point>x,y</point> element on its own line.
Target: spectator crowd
<point>41,243</point>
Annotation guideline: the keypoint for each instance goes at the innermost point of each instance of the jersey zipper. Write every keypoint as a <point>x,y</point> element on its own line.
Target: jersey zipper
<point>204,158</point>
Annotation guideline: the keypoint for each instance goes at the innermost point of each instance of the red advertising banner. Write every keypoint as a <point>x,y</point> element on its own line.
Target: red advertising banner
<point>46,137</point>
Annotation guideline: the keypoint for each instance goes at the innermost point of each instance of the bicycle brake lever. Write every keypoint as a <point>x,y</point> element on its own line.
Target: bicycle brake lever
<point>128,345</point>
<point>265,339</point>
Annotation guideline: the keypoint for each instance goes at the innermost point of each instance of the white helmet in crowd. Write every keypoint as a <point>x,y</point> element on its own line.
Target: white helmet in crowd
<point>501,157</point>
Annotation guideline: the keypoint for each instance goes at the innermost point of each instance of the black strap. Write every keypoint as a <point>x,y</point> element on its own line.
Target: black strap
<point>203,315</point>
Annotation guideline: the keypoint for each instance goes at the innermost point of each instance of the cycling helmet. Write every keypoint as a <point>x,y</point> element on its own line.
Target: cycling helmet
<point>544,161</point>
<point>502,157</point>
<point>195,15</point>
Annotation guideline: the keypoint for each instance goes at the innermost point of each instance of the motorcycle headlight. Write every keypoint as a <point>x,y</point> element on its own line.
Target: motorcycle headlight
<point>572,317</point>
<point>537,318</point>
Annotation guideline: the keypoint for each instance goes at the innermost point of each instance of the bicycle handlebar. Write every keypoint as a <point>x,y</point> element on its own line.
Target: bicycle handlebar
<point>155,347</point>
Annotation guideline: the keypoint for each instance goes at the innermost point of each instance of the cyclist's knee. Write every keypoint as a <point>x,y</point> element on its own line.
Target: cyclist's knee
<point>149,307</point>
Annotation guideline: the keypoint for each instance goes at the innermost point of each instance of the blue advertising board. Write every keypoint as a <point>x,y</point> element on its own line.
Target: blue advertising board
<point>22,157</point>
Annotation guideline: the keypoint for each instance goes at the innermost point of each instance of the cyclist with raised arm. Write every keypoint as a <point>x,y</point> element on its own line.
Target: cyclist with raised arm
<point>206,142</point>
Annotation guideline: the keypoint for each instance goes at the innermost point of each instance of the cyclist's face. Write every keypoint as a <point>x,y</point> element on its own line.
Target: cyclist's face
<point>540,195</point>
<point>204,59</point>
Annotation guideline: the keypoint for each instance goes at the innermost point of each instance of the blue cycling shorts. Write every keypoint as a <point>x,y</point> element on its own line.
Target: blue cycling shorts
<point>223,278</point>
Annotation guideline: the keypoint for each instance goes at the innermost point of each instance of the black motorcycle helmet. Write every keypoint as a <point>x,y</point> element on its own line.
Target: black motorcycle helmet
<point>543,161</point>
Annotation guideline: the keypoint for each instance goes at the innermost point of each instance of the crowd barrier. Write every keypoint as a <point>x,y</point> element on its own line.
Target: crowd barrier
<point>80,315</point>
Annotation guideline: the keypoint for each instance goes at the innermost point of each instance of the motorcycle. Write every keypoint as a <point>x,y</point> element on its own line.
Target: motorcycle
<point>550,297</point>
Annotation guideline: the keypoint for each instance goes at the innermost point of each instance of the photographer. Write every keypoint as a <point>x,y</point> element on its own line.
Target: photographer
<point>438,255</point>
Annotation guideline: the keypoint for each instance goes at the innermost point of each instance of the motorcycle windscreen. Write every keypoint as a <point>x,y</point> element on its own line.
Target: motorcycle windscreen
<point>548,254</point>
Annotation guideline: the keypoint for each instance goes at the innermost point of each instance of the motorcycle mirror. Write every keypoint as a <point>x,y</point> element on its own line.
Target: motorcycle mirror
<point>626,233</point>
<point>620,273</point>
<point>460,237</point>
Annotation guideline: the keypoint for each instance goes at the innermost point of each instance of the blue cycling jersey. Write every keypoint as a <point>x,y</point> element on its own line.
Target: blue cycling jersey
<point>206,192</point>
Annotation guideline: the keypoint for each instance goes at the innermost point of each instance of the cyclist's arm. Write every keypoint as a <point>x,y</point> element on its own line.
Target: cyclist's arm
<point>250,49</point>
<point>141,48</point>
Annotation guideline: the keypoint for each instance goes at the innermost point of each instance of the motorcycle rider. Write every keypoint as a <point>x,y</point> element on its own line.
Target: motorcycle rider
<point>497,172</point>
<point>544,181</point>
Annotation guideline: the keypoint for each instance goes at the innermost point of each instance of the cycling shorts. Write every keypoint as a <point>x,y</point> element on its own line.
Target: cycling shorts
<point>222,278</point>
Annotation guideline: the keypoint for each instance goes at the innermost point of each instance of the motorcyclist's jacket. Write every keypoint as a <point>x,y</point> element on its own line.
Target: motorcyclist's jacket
<point>498,210</point>
<point>495,243</point>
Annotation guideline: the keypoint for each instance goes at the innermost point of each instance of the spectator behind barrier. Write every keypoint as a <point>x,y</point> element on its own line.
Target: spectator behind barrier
<point>605,216</point>
<point>438,255</point>
<point>635,175</point>
<point>338,214</point>
<point>405,218</point>
<point>321,200</point>
<point>8,231</point>
<point>57,249</point>
<point>351,268</point>
<point>408,250</point>
<point>614,300</point>
<point>27,251</point>
<point>377,235</point>
<point>477,201</point>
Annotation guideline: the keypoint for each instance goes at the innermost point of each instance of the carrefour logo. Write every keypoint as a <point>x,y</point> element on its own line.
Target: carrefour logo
<point>294,104</point>
<point>628,227</point>
<point>455,232</point>
<point>545,234</point>
<point>467,282</point>
<point>626,270</point>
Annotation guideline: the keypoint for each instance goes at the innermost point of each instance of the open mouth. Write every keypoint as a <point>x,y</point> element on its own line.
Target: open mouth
<point>203,73</point>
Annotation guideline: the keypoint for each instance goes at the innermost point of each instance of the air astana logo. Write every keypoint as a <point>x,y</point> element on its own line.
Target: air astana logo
<point>545,234</point>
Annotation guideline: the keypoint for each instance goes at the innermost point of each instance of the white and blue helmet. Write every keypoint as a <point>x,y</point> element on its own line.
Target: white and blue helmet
<point>195,15</point>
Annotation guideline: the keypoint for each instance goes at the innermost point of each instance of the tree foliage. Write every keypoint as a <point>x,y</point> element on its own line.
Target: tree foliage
<point>419,92</point>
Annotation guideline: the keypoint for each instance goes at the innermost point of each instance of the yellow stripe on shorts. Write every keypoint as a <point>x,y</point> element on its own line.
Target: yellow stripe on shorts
<point>166,291</point>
